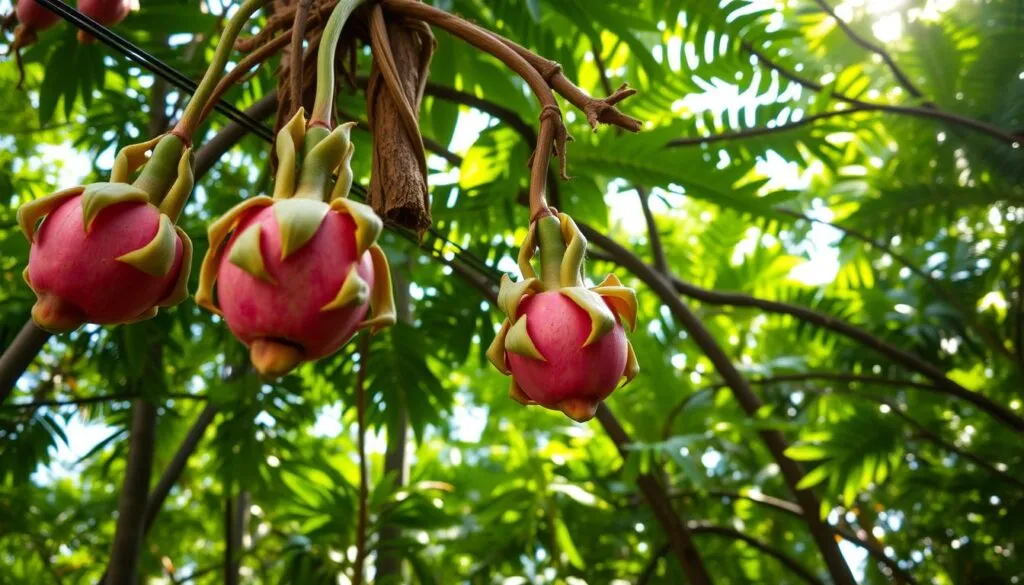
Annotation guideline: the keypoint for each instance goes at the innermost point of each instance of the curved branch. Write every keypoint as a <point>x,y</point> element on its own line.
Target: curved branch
<point>742,391</point>
<point>923,431</point>
<point>970,316</point>
<point>883,348</point>
<point>898,73</point>
<point>915,111</point>
<point>787,561</point>
<point>17,357</point>
<point>295,74</point>
<point>37,404</point>
<point>364,490</point>
<point>755,132</point>
<point>680,541</point>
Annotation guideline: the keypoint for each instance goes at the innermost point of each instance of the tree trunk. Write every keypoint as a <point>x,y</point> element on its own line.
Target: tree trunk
<point>124,555</point>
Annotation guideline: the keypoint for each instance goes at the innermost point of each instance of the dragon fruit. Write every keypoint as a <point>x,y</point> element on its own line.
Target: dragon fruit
<point>32,18</point>
<point>563,344</point>
<point>109,253</point>
<point>297,274</point>
<point>106,12</point>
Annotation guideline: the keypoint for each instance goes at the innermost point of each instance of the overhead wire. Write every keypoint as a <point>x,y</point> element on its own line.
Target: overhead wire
<point>151,63</point>
<point>182,82</point>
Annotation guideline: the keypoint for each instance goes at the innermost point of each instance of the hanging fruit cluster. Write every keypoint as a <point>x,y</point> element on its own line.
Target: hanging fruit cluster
<point>297,274</point>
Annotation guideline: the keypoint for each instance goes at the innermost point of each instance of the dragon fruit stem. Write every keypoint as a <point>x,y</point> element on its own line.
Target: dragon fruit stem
<point>193,112</point>
<point>322,115</point>
<point>160,172</point>
<point>552,251</point>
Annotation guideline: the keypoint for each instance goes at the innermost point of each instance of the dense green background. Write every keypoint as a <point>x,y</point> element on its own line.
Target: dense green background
<point>499,493</point>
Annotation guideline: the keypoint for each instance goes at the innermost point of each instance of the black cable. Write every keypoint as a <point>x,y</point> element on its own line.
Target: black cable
<point>154,65</point>
<point>177,79</point>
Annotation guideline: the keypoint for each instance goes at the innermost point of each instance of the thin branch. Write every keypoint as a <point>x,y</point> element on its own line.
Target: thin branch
<point>602,71</point>
<point>298,34</point>
<point>597,111</point>
<point>364,490</point>
<point>923,431</point>
<point>17,357</point>
<point>37,404</point>
<point>898,73</point>
<point>793,509</point>
<point>915,111</point>
<point>742,391</point>
<point>653,236</point>
<point>389,559</point>
<point>679,537</point>
<point>787,561</point>
<point>756,132</point>
<point>177,465</point>
<point>970,316</point>
<point>884,348</point>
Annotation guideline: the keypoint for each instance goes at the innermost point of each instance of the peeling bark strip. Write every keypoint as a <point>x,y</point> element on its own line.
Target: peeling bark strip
<point>402,50</point>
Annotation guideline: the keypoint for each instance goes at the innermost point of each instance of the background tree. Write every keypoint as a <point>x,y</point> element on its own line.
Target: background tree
<point>821,216</point>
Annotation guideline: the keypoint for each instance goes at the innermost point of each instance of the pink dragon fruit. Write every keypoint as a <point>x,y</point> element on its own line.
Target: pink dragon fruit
<point>563,344</point>
<point>296,274</point>
<point>32,18</point>
<point>109,13</point>
<point>110,253</point>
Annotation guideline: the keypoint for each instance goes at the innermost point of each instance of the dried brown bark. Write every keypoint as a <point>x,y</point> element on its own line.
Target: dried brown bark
<point>402,49</point>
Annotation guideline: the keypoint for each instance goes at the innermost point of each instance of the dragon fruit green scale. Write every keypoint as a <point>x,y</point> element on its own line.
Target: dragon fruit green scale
<point>299,273</point>
<point>564,345</point>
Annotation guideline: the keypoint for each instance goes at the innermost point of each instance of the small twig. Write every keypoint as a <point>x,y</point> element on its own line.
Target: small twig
<point>34,405</point>
<point>788,561</point>
<point>254,59</point>
<point>653,236</point>
<point>971,317</point>
<point>364,356</point>
<point>901,77</point>
<point>923,431</point>
<point>915,111</point>
<point>756,132</point>
<point>598,111</point>
<point>596,49</point>
<point>298,34</point>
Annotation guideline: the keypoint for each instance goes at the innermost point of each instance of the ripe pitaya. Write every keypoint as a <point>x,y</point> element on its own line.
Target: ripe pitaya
<point>32,18</point>
<point>110,253</point>
<point>296,274</point>
<point>106,12</point>
<point>563,344</point>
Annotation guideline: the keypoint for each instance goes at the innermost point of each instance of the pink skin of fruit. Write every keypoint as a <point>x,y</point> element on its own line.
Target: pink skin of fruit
<point>33,16</point>
<point>558,328</point>
<point>288,312</point>
<point>77,276</point>
<point>106,12</point>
